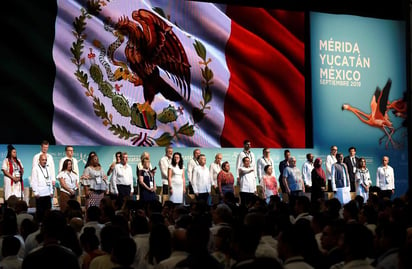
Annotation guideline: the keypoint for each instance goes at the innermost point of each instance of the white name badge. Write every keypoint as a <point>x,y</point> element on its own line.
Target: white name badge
<point>151,184</point>
<point>99,180</point>
<point>16,173</point>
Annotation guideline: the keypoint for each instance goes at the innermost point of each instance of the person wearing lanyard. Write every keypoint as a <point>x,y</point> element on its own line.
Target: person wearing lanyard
<point>94,181</point>
<point>146,182</point>
<point>13,174</point>
<point>246,153</point>
<point>42,186</point>
<point>385,178</point>
<point>164,164</point>
<point>68,184</point>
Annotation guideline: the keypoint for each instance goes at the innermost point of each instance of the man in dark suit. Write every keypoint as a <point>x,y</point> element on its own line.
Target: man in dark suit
<point>351,162</point>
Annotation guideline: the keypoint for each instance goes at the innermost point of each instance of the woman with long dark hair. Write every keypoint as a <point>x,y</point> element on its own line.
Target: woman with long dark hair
<point>176,177</point>
<point>13,174</point>
<point>68,184</point>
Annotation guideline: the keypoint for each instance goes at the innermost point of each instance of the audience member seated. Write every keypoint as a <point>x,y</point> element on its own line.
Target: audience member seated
<point>8,227</point>
<point>179,250</point>
<point>51,253</point>
<point>10,249</point>
<point>124,249</point>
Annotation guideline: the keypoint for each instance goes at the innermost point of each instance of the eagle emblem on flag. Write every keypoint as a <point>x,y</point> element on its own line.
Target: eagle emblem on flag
<point>146,56</point>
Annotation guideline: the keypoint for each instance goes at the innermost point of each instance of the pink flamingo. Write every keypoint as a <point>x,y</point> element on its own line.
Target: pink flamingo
<point>378,117</point>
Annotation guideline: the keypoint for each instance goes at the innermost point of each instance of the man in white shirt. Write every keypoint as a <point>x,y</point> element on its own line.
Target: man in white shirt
<point>44,147</point>
<point>122,179</point>
<point>262,162</point>
<point>214,170</point>
<point>247,182</point>
<point>193,162</point>
<point>330,159</point>
<point>164,164</point>
<point>42,186</point>
<point>201,179</point>
<point>69,155</point>
<point>246,153</point>
<point>385,178</point>
<point>307,168</point>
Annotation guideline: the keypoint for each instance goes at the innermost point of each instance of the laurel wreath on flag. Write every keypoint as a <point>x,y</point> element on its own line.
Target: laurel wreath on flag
<point>119,101</point>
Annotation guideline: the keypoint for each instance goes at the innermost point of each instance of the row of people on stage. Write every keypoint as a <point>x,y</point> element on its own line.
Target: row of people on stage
<point>342,176</point>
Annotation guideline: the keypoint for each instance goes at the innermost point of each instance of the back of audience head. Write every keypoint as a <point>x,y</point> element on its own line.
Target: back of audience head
<point>223,239</point>
<point>12,202</point>
<point>21,207</point>
<point>368,215</point>
<point>121,222</point>
<point>357,242</point>
<point>10,246</point>
<point>302,204</point>
<point>351,211</point>
<point>76,223</point>
<point>332,233</point>
<point>159,243</point>
<point>198,234</point>
<point>89,240</point>
<point>123,252</point>
<point>299,240</point>
<point>27,227</point>
<point>93,213</point>
<point>360,200</point>
<point>333,207</point>
<point>245,239</point>
<point>179,240</point>
<point>222,213</point>
<point>139,225</point>
<point>390,235</point>
<point>53,226</point>
<point>108,234</point>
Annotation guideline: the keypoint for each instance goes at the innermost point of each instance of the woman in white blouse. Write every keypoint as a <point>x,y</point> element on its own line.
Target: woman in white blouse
<point>362,179</point>
<point>69,184</point>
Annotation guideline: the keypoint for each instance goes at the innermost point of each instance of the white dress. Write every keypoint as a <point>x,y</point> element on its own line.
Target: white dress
<point>10,189</point>
<point>177,185</point>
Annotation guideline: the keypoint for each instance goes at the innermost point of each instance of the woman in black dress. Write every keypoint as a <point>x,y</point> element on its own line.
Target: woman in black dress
<point>146,181</point>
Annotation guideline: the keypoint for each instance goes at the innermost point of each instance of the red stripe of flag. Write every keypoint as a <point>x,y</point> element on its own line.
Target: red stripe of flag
<point>265,101</point>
